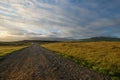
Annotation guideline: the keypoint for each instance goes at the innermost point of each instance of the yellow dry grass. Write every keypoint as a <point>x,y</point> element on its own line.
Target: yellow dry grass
<point>4,50</point>
<point>100,56</point>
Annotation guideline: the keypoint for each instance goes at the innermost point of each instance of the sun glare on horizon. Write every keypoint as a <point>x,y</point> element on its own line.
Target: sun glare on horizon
<point>3,34</point>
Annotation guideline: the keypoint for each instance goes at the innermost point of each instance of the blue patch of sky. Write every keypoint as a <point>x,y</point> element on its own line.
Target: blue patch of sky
<point>47,1</point>
<point>5,4</point>
<point>8,11</point>
<point>40,31</point>
<point>7,15</point>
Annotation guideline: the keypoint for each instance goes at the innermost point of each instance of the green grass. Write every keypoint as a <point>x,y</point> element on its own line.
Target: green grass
<point>103,57</point>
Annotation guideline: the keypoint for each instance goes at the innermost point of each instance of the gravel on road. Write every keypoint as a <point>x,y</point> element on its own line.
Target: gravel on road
<point>37,63</point>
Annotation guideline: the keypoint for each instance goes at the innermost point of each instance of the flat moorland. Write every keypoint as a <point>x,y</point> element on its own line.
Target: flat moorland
<point>4,50</point>
<point>103,57</point>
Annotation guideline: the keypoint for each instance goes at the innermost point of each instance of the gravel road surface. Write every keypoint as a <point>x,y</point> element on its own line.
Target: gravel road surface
<point>37,63</point>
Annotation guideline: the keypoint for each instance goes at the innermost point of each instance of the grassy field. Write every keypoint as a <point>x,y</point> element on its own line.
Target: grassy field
<point>103,57</point>
<point>4,50</point>
<point>8,47</point>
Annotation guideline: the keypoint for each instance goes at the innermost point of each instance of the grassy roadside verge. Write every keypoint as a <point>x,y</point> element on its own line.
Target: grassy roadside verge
<point>102,57</point>
<point>5,50</point>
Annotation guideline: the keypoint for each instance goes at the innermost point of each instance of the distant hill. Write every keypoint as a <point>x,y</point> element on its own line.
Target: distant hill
<point>17,43</point>
<point>49,40</point>
<point>101,39</point>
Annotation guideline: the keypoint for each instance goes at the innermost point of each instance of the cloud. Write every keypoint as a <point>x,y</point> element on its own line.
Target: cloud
<point>25,19</point>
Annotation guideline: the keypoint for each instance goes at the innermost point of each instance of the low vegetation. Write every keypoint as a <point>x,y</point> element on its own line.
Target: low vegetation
<point>8,47</point>
<point>103,57</point>
<point>4,50</point>
<point>14,43</point>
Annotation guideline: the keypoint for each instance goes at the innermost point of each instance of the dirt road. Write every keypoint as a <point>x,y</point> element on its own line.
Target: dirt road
<point>37,63</point>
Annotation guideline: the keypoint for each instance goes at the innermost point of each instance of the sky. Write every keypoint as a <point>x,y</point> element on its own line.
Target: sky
<point>73,19</point>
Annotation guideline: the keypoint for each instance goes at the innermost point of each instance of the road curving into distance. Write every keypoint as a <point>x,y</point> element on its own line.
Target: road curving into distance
<point>37,63</point>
